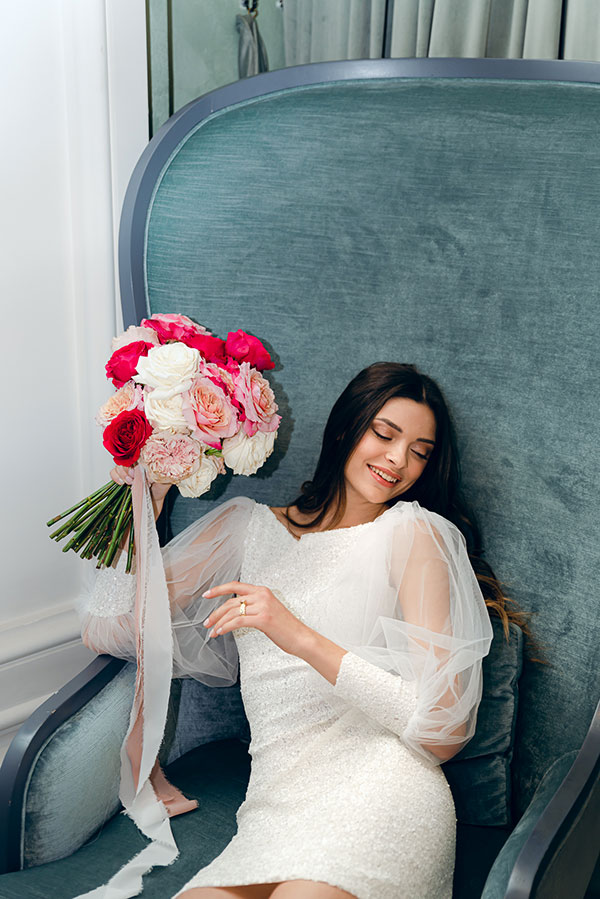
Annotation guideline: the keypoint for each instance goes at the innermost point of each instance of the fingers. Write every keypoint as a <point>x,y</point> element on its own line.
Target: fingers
<point>231,587</point>
<point>230,619</point>
<point>122,475</point>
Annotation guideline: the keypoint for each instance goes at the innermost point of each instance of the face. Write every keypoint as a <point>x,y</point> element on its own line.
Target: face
<point>393,452</point>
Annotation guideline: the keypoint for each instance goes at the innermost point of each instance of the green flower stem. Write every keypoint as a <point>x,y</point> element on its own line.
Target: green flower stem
<point>88,499</point>
<point>131,547</point>
<point>105,513</point>
<point>107,508</point>
<point>112,548</point>
<point>80,516</point>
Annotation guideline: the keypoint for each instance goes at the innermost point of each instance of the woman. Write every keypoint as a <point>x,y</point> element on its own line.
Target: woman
<point>360,626</point>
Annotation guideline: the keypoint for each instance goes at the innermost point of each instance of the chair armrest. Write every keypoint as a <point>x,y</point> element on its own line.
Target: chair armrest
<point>554,848</point>
<point>29,741</point>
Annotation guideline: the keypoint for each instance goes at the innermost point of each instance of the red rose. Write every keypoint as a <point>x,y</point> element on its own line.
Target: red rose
<point>122,365</point>
<point>246,348</point>
<point>210,348</point>
<point>125,436</point>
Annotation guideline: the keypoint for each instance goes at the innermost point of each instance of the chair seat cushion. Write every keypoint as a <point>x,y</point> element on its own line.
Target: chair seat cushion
<point>216,774</point>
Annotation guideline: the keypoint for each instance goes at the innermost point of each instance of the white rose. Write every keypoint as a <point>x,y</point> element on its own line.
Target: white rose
<point>168,365</point>
<point>164,410</point>
<point>245,455</point>
<point>200,481</point>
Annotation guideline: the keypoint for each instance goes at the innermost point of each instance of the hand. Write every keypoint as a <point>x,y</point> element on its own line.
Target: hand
<point>263,611</point>
<point>123,475</point>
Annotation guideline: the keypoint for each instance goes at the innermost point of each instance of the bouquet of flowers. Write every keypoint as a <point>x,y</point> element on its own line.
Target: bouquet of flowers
<point>187,404</point>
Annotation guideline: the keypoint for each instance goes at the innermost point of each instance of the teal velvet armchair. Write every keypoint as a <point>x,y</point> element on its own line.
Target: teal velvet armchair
<point>440,212</point>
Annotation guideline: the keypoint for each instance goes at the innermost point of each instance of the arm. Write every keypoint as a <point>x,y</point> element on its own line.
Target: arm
<point>424,624</point>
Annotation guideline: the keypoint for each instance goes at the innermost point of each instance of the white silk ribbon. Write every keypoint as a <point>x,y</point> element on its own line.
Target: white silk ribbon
<point>149,711</point>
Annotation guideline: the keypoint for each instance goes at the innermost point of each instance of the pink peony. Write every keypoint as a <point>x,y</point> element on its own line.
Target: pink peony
<point>172,326</point>
<point>209,412</point>
<point>170,458</point>
<point>133,334</point>
<point>246,348</point>
<point>255,396</point>
<point>128,397</point>
<point>122,365</point>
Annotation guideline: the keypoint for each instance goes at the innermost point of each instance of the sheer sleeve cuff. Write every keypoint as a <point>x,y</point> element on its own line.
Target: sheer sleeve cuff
<point>107,613</point>
<point>383,696</point>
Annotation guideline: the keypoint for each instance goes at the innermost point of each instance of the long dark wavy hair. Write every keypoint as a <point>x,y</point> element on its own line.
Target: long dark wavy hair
<point>438,488</point>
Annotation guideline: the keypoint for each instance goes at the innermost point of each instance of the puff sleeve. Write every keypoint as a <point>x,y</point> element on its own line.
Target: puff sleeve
<point>416,628</point>
<point>208,552</point>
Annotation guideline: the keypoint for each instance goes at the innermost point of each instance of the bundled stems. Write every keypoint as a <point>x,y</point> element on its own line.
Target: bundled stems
<point>97,524</point>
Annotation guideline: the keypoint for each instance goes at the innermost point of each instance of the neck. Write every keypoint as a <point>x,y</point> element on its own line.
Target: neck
<point>357,510</point>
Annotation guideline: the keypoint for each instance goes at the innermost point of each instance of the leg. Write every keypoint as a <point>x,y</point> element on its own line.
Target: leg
<point>309,889</point>
<point>251,891</point>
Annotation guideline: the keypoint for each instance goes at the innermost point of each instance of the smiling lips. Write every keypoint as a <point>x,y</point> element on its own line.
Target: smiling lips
<point>383,476</point>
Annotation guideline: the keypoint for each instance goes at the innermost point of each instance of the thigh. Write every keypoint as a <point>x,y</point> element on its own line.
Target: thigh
<point>250,891</point>
<point>309,889</point>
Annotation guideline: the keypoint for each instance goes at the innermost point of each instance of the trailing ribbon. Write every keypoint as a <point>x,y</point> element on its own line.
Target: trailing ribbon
<point>147,796</point>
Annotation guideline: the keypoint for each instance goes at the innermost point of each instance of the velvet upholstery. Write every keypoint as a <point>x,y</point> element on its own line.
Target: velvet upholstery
<point>498,878</point>
<point>449,223</point>
<point>86,751</point>
<point>216,773</point>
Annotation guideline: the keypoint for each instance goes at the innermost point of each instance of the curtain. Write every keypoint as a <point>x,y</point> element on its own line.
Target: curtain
<point>324,30</point>
<point>318,30</point>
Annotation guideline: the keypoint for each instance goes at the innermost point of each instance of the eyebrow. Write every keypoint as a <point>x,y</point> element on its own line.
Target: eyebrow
<point>397,428</point>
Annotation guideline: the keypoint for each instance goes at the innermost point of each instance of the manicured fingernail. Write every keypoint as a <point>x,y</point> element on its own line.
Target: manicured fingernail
<point>219,630</point>
<point>212,632</point>
<point>206,593</point>
<point>206,622</point>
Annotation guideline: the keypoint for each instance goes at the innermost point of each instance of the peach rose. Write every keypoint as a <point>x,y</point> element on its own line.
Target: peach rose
<point>129,397</point>
<point>209,413</point>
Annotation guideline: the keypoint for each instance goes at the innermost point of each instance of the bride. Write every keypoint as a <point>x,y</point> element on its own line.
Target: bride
<point>358,615</point>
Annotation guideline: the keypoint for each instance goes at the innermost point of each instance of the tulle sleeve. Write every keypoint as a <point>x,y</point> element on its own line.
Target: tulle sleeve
<point>416,628</point>
<point>208,552</point>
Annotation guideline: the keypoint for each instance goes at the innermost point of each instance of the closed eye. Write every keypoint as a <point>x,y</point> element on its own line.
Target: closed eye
<point>381,436</point>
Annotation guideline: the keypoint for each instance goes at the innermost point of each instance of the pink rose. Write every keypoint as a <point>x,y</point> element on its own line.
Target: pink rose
<point>209,412</point>
<point>170,458</point>
<point>172,326</point>
<point>256,398</point>
<point>122,365</point>
<point>210,348</point>
<point>129,397</point>
<point>246,348</point>
<point>133,334</point>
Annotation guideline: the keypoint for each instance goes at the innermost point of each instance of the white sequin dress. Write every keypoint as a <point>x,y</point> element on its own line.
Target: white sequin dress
<point>345,785</point>
<point>334,794</point>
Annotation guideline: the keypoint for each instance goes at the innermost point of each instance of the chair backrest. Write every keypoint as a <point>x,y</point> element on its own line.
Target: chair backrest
<point>443,213</point>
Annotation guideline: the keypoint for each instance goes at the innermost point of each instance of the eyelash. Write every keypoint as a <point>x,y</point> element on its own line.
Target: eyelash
<point>382,437</point>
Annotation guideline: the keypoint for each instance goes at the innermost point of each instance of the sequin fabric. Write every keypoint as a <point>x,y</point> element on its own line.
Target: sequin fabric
<point>114,590</point>
<point>334,795</point>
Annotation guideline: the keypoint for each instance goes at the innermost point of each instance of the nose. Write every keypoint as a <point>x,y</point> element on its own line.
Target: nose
<point>396,455</point>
